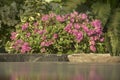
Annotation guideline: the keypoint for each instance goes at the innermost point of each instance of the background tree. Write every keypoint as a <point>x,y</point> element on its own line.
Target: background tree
<point>108,11</point>
<point>9,17</point>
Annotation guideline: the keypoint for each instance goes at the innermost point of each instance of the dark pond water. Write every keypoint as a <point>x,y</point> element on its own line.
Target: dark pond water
<point>58,71</point>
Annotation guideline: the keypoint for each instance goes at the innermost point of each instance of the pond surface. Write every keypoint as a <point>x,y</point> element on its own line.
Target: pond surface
<point>58,71</point>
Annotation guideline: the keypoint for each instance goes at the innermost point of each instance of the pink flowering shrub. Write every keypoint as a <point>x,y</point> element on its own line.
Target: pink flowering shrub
<point>51,33</point>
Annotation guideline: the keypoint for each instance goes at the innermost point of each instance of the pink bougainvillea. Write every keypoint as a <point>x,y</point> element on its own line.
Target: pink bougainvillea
<point>25,47</point>
<point>60,18</point>
<point>59,34</point>
<point>25,26</point>
<point>45,17</point>
<point>93,48</point>
<point>96,23</point>
<point>28,34</point>
<point>83,16</point>
<point>13,36</point>
<point>55,36</point>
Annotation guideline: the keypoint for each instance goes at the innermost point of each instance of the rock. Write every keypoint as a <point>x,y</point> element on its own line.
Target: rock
<point>93,58</point>
<point>33,58</point>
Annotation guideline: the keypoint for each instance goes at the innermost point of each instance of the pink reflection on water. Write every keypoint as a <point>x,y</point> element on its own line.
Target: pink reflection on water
<point>93,75</point>
<point>78,77</point>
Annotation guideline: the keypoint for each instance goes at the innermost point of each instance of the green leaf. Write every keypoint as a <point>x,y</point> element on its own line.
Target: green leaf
<point>61,39</point>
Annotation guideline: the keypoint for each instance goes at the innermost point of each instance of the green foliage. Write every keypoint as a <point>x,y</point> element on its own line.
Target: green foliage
<point>114,3</point>
<point>8,2</point>
<point>105,10</point>
<point>9,17</point>
<point>108,12</point>
<point>108,44</point>
<point>12,10</point>
<point>114,32</point>
<point>31,7</point>
<point>52,33</point>
<point>102,10</point>
<point>70,5</point>
<point>8,14</point>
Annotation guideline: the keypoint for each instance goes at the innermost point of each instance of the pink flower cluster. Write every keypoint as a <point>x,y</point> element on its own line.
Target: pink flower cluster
<point>46,43</point>
<point>47,17</point>
<point>28,34</point>
<point>50,28</point>
<point>25,26</point>
<point>81,27</point>
<point>13,36</point>
<point>55,36</point>
<point>22,46</point>
<point>25,47</point>
<point>38,31</point>
<point>75,26</point>
<point>60,18</point>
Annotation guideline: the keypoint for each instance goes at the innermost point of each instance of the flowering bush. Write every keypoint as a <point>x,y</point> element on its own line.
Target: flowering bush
<point>52,33</point>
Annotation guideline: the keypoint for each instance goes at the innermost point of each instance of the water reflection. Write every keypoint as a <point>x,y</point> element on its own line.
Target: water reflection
<point>58,71</point>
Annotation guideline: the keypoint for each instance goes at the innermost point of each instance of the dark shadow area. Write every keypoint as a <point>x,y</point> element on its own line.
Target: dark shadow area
<point>33,58</point>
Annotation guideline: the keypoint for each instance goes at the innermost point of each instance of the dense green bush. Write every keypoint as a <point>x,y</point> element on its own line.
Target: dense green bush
<point>108,11</point>
<point>52,33</point>
<point>12,10</point>
<point>9,17</point>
